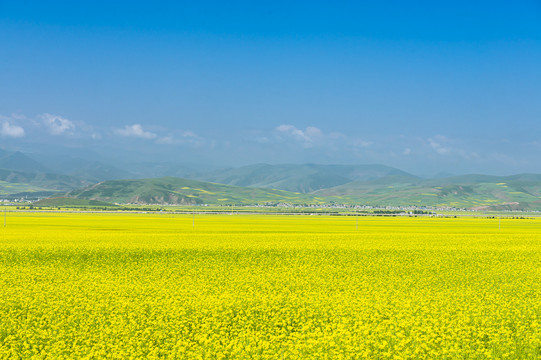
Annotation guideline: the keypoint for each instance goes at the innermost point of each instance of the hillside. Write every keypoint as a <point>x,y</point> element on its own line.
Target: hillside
<point>21,176</point>
<point>519,192</point>
<point>372,185</point>
<point>48,181</point>
<point>66,202</point>
<point>170,190</point>
<point>303,178</point>
<point>8,188</point>
<point>90,171</point>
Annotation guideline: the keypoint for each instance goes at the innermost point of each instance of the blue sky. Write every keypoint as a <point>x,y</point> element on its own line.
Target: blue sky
<point>421,85</point>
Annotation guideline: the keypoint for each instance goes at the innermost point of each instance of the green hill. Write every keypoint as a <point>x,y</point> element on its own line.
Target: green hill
<point>8,188</point>
<point>48,181</point>
<point>21,162</point>
<point>170,190</point>
<point>71,202</point>
<point>304,178</point>
<point>482,192</point>
<point>519,192</point>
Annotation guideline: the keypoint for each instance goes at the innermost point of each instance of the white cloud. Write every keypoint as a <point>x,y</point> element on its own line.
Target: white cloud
<point>451,147</point>
<point>307,136</point>
<point>337,135</point>
<point>137,131</point>
<point>166,140</point>
<point>436,144</point>
<point>57,125</point>
<point>288,129</point>
<point>182,138</point>
<point>313,137</point>
<point>358,143</point>
<point>261,140</point>
<point>189,133</point>
<point>18,116</point>
<point>9,130</point>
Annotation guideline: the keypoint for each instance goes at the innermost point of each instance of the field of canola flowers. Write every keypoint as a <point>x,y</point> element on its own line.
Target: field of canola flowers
<point>125,286</point>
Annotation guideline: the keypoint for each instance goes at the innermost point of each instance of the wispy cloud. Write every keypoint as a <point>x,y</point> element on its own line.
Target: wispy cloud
<point>285,143</point>
<point>313,137</point>
<point>436,144</point>
<point>57,125</point>
<point>168,140</point>
<point>135,130</point>
<point>186,137</point>
<point>307,137</point>
<point>445,146</point>
<point>18,116</point>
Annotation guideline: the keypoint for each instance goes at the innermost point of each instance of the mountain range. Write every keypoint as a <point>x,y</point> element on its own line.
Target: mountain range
<point>304,178</point>
<point>374,185</point>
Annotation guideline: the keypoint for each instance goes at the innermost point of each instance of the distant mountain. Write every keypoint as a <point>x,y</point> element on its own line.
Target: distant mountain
<point>95,171</point>
<point>373,185</point>
<point>21,162</point>
<point>23,177</point>
<point>441,175</point>
<point>91,170</point>
<point>304,178</point>
<point>43,181</point>
<point>520,192</point>
<point>7,189</point>
<point>162,169</point>
<point>170,190</point>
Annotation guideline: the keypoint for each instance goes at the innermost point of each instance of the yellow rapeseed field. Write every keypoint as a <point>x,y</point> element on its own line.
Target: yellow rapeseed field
<point>127,286</point>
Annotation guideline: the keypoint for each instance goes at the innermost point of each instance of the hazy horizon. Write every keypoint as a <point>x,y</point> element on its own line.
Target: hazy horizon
<point>423,87</point>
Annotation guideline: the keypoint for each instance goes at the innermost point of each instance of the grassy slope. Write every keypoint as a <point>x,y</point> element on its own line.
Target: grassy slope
<point>520,192</point>
<point>48,181</point>
<point>471,191</point>
<point>169,190</point>
<point>8,188</point>
<point>71,202</point>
